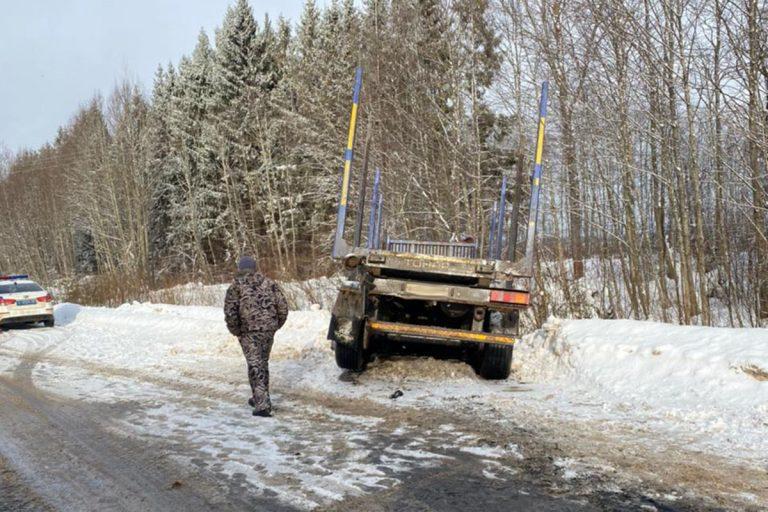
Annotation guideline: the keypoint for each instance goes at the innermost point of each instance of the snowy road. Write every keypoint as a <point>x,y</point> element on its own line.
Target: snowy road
<point>142,408</point>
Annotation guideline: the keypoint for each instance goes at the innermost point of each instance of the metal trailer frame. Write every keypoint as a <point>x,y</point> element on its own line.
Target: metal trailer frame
<point>495,250</point>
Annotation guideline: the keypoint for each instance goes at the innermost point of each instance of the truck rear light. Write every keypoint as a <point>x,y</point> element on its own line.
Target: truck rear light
<point>520,298</point>
<point>46,298</point>
<point>7,302</point>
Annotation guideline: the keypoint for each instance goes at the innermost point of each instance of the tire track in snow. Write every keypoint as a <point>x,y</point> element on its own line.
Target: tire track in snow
<point>70,457</point>
<point>405,458</point>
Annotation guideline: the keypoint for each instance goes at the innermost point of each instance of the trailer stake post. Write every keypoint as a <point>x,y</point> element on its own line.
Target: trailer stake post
<point>372,215</point>
<point>492,230</point>
<point>339,246</point>
<point>363,189</point>
<point>533,215</point>
<point>500,220</point>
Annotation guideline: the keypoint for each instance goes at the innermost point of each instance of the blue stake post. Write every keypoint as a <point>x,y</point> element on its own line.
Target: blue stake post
<point>339,246</point>
<point>500,219</point>
<point>372,215</point>
<point>377,236</point>
<point>492,230</point>
<point>533,218</point>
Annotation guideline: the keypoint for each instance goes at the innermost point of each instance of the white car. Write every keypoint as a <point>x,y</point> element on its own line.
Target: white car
<point>23,301</point>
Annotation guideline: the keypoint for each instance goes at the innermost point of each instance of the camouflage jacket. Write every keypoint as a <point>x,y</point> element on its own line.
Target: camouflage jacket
<point>254,303</point>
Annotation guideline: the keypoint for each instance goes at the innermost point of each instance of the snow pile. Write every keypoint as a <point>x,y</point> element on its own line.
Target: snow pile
<point>647,360</point>
<point>714,380</point>
<point>139,335</point>
<point>304,335</point>
<point>144,334</point>
<point>415,369</point>
<point>66,313</point>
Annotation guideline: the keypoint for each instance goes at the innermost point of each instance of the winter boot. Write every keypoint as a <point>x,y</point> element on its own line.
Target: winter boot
<point>264,413</point>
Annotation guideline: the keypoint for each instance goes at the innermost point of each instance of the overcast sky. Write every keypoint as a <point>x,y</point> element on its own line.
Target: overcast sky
<point>56,54</point>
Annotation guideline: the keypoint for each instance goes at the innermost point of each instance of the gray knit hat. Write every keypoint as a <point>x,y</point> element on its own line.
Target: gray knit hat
<point>246,264</point>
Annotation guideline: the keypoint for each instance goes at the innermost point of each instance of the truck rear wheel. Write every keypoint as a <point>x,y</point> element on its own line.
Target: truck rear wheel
<point>348,343</point>
<point>496,362</point>
<point>350,357</point>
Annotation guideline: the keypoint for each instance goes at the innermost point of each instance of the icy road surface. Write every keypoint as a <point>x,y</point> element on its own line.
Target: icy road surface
<point>143,408</point>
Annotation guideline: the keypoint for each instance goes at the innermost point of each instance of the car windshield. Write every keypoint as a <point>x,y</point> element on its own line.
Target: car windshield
<point>19,288</point>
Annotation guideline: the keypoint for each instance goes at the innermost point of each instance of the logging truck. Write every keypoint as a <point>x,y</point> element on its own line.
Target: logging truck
<point>398,292</point>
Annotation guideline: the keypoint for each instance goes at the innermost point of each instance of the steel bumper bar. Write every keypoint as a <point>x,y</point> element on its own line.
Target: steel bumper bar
<point>429,333</point>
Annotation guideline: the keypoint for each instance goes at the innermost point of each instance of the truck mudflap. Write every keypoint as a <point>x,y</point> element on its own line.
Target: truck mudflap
<point>347,319</point>
<point>430,333</point>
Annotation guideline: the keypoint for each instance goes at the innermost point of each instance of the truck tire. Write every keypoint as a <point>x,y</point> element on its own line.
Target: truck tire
<point>49,323</point>
<point>496,362</point>
<point>350,357</point>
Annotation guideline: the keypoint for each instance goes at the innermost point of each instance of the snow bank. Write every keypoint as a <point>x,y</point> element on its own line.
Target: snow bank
<point>145,334</point>
<point>652,361</point>
<point>304,335</point>
<point>712,382</point>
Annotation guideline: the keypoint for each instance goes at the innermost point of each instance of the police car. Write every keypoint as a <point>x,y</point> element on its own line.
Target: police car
<point>23,301</point>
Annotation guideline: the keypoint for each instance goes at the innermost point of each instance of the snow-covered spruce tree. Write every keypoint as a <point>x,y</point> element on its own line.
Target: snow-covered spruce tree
<point>246,138</point>
<point>162,171</point>
<point>314,100</point>
<point>270,197</point>
<point>195,228</point>
<point>295,56</point>
<point>488,141</point>
<point>228,135</point>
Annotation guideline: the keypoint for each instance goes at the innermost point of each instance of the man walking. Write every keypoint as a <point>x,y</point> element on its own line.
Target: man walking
<point>254,308</point>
